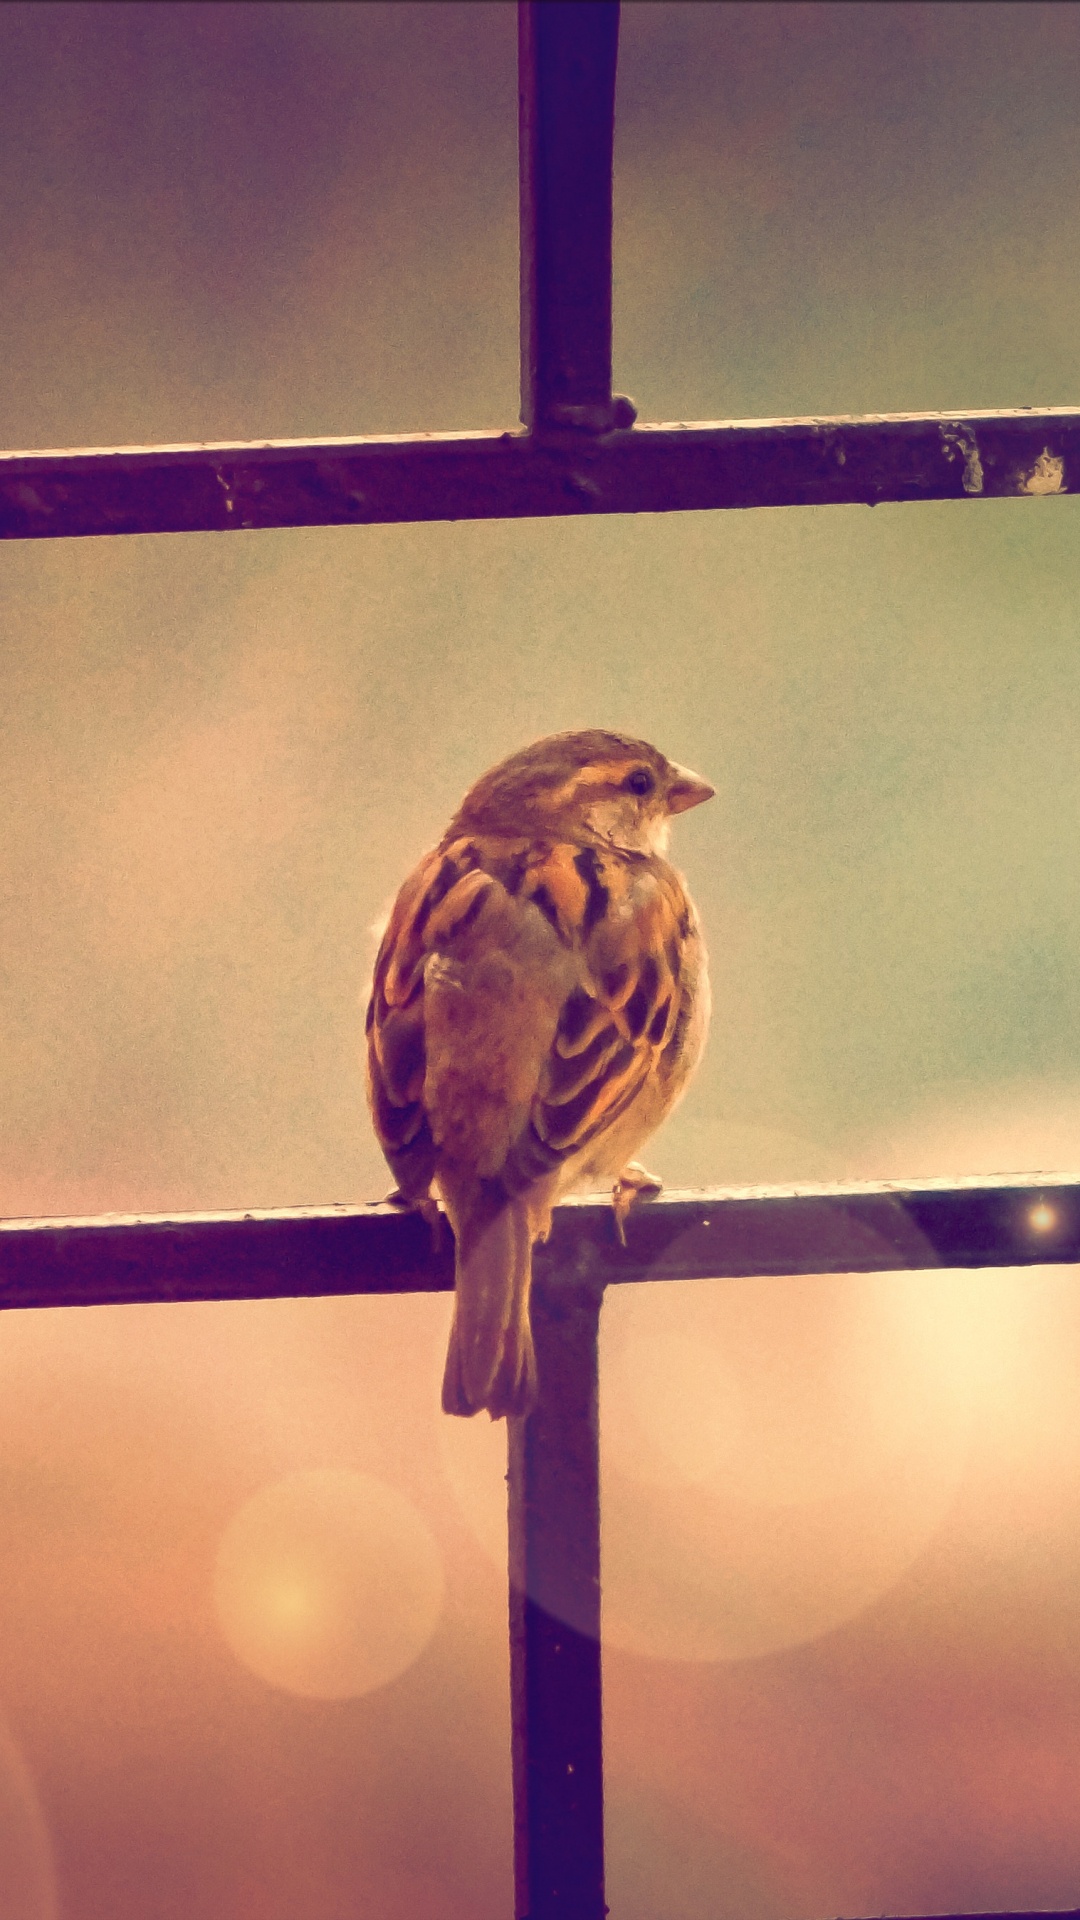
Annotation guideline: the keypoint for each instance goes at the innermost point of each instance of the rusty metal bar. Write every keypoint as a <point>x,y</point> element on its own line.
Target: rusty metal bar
<point>567,51</point>
<point>1008,1220</point>
<point>553,1484</point>
<point>492,476</point>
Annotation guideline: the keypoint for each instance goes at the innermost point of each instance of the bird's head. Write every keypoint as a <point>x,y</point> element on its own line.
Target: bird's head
<point>598,788</point>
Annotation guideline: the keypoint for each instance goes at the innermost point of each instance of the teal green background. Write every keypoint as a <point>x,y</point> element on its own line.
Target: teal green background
<point>220,756</point>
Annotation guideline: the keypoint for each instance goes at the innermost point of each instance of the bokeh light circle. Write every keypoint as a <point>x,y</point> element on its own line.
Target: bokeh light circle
<point>775,1453</point>
<point>1023,1334</point>
<point>328,1583</point>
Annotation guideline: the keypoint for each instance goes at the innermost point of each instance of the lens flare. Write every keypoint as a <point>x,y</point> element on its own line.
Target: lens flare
<point>1022,1335</point>
<point>775,1452</point>
<point>328,1584</point>
<point>783,1390</point>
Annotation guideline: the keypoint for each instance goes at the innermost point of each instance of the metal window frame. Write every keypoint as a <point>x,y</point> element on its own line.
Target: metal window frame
<point>579,452</point>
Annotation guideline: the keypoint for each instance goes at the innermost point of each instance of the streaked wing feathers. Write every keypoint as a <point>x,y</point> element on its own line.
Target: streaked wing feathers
<point>625,917</point>
<point>396,1051</point>
<point>613,1029</point>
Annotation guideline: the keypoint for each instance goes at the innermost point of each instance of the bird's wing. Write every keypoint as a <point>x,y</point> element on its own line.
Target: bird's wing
<point>395,1043</point>
<point>523,994</point>
<point>629,919</point>
<point>457,1014</point>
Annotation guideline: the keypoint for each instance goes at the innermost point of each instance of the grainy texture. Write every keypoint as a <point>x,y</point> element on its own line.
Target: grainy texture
<point>567,60</point>
<point>539,1002</point>
<point>497,476</point>
<point>566,339</point>
<point>554,1540</point>
<point>702,1235</point>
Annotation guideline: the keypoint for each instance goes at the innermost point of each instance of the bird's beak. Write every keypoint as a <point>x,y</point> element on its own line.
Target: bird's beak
<point>687,790</point>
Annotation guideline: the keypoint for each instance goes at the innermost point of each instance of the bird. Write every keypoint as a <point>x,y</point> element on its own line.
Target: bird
<point>539,1002</point>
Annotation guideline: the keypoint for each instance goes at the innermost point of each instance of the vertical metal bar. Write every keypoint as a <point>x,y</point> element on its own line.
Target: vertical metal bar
<point>554,1515</point>
<point>567,51</point>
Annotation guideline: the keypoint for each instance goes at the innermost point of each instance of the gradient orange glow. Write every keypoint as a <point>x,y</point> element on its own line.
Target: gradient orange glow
<point>841,1545</point>
<point>328,1584</point>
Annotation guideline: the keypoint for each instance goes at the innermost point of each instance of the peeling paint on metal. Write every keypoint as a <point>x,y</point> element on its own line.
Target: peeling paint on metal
<point>958,438</point>
<point>1046,476</point>
<point>226,488</point>
<point>654,468</point>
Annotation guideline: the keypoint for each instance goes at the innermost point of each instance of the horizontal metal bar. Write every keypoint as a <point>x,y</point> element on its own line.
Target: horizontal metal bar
<point>1004,1221</point>
<point>117,1259</point>
<point>488,476</point>
<point>1009,1220</point>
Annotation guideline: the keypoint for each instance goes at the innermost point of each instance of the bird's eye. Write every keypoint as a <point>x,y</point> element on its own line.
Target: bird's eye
<point>640,781</point>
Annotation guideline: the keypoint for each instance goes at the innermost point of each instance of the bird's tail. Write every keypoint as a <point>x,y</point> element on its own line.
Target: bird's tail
<point>490,1361</point>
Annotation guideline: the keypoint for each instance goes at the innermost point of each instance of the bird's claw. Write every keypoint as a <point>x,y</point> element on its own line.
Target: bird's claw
<point>427,1208</point>
<point>633,1183</point>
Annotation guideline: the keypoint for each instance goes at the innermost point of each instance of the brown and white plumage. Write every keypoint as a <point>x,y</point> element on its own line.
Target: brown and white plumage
<point>540,1000</point>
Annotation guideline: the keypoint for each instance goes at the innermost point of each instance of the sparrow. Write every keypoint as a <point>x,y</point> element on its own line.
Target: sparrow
<point>539,1002</point>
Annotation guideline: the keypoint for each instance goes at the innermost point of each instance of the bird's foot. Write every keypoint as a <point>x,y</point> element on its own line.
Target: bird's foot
<point>633,1183</point>
<point>427,1207</point>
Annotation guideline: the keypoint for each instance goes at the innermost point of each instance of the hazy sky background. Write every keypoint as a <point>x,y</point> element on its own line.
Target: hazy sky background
<point>840,1547</point>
